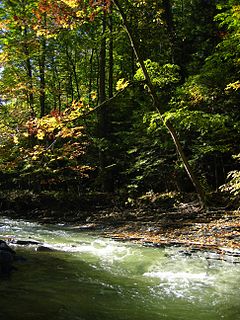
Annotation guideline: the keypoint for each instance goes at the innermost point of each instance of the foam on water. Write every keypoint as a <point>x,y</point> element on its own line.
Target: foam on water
<point>163,280</point>
<point>106,250</point>
<point>183,276</point>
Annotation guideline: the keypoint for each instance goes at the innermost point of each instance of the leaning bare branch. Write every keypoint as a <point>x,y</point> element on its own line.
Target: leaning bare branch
<point>108,101</point>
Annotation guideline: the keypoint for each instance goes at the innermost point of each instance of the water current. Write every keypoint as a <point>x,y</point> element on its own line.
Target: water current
<point>89,277</point>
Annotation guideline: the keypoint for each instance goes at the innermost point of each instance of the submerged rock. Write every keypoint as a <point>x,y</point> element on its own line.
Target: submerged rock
<point>44,249</point>
<point>27,242</point>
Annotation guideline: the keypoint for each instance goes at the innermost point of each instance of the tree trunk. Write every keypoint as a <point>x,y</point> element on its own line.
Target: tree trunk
<point>42,61</point>
<point>157,105</point>
<point>28,63</point>
<point>102,63</point>
<point>103,120</point>
<point>110,73</point>
<point>57,86</point>
<point>90,77</point>
<point>29,72</point>
<point>168,17</point>
<point>74,69</point>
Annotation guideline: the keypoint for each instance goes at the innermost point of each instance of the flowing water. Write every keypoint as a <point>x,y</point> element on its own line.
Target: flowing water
<point>92,278</point>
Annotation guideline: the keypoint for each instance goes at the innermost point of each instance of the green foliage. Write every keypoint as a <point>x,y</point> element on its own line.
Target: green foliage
<point>230,17</point>
<point>199,121</point>
<point>233,184</point>
<point>192,54</point>
<point>161,76</point>
<point>224,64</point>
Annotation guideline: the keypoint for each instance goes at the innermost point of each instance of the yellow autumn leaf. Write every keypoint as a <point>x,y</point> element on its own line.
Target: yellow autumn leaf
<point>233,86</point>
<point>3,57</point>
<point>121,84</point>
<point>71,3</point>
<point>40,33</point>
<point>80,13</point>
<point>51,35</point>
<point>94,95</point>
<point>15,140</point>
<point>40,135</point>
<point>65,132</point>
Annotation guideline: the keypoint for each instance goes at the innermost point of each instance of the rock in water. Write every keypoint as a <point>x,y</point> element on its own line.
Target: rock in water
<point>6,261</point>
<point>27,242</point>
<point>7,256</point>
<point>44,249</point>
<point>5,247</point>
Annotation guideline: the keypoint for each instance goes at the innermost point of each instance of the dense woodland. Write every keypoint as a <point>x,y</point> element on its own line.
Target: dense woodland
<point>139,99</point>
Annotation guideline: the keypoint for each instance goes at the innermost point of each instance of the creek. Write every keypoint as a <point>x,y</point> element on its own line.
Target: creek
<point>89,277</point>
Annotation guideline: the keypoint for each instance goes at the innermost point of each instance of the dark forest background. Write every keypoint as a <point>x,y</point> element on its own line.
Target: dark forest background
<point>77,117</point>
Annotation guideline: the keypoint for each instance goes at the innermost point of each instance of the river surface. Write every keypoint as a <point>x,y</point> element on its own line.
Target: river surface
<point>93,278</point>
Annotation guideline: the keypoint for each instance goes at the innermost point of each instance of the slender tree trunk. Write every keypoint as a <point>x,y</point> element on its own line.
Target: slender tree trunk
<point>30,96</point>
<point>133,69</point>
<point>42,61</point>
<point>29,72</point>
<point>74,69</point>
<point>110,183</point>
<point>110,72</point>
<point>157,105</point>
<point>102,64</point>
<point>132,64</point>
<point>30,77</point>
<point>216,176</point>
<point>59,97</point>
<point>71,86</point>
<point>102,97</point>
<point>103,119</point>
<point>170,26</point>
<point>90,77</point>
<point>57,86</point>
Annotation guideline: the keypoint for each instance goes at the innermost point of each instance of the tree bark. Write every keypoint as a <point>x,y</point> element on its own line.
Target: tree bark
<point>110,72</point>
<point>74,69</point>
<point>29,72</point>
<point>57,86</point>
<point>102,63</point>
<point>157,104</point>
<point>170,26</point>
<point>103,116</point>
<point>42,60</point>
<point>90,77</point>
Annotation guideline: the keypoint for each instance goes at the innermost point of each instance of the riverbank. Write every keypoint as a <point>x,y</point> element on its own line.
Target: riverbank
<point>215,230</point>
<point>154,224</point>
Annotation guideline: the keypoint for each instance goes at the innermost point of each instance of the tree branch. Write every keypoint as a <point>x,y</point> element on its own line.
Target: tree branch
<point>158,107</point>
<point>106,102</point>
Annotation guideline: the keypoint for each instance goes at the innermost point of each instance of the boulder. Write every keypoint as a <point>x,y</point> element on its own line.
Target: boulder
<point>5,247</point>
<point>7,257</point>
